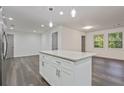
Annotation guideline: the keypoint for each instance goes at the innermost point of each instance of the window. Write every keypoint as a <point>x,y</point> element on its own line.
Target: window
<point>115,40</point>
<point>98,41</point>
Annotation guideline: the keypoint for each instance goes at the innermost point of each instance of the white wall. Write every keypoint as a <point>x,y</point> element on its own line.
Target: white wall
<point>105,52</point>
<point>45,41</point>
<point>26,44</point>
<point>71,39</point>
<point>68,39</point>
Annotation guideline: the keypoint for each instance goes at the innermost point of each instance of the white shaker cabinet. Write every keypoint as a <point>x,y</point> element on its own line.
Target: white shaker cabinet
<point>67,77</point>
<point>59,71</point>
<point>49,70</point>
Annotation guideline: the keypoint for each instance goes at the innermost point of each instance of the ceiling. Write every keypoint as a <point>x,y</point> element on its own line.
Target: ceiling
<point>29,18</point>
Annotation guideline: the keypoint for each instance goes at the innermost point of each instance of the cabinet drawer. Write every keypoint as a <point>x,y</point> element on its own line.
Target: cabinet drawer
<point>67,71</point>
<point>68,65</point>
<point>64,65</point>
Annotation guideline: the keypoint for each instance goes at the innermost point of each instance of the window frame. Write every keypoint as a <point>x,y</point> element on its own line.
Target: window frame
<point>116,41</point>
<point>98,40</point>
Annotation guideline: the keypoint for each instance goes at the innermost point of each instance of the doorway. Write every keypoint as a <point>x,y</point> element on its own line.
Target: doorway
<point>83,43</point>
<point>55,41</point>
<point>10,52</point>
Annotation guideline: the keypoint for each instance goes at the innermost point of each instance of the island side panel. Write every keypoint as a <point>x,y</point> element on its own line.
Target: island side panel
<point>83,72</point>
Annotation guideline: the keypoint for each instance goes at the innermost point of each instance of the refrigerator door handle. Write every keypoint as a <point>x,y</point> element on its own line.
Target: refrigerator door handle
<point>6,45</point>
<point>6,41</point>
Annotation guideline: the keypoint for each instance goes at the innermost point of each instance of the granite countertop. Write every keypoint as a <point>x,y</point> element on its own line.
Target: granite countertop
<point>69,55</point>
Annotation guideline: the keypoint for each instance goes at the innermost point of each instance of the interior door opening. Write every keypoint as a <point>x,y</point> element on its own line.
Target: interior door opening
<point>55,41</point>
<point>83,44</point>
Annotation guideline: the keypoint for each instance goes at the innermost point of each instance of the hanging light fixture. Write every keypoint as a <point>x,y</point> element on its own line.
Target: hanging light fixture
<point>50,24</point>
<point>51,17</point>
<point>73,13</point>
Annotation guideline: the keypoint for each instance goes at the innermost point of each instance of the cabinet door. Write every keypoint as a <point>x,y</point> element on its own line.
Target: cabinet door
<point>53,70</point>
<point>67,78</point>
<point>41,66</point>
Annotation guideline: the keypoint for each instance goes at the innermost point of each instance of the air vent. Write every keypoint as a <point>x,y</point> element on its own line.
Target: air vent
<point>50,9</point>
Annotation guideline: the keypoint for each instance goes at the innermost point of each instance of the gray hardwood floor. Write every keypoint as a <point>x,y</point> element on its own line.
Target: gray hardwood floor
<point>24,71</point>
<point>107,72</point>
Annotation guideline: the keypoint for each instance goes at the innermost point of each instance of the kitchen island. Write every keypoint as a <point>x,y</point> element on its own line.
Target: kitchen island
<point>66,68</point>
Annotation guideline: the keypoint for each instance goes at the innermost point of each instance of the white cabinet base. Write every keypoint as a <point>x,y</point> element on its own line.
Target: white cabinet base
<point>61,72</point>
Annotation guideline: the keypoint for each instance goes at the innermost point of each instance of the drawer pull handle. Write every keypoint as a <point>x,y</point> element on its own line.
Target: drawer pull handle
<point>43,63</point>
<point>58,62</point>
<point>58,73</point>
<point>67,73</point>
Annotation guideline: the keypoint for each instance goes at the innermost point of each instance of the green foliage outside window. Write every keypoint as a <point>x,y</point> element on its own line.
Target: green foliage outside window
<point>115,40</point>
<point>98,41</point>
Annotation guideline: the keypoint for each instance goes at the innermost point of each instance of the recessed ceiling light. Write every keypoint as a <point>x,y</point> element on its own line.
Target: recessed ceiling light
<point>10,18</point>
<point>61,13</point>
<point>87,27</point>
<point>73,12</point>
<point>50,24</point>
<point>42,25</point>
<point>34,30</point>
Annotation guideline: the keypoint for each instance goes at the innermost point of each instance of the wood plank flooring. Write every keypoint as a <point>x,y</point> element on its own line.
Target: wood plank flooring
<point>24,71</point>
<point>107,72</point>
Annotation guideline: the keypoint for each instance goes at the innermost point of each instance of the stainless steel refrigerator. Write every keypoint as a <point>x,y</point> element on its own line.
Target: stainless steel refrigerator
<point>3,50</point>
